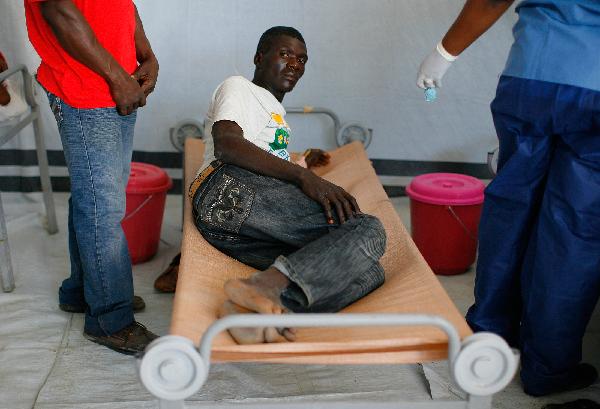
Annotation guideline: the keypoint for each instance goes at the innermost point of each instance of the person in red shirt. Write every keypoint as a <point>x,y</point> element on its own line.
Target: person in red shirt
<point>97,68</point>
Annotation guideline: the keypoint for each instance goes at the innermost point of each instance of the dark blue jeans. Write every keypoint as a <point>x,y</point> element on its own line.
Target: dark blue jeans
<point>97,144</point>
<point>263,221</point>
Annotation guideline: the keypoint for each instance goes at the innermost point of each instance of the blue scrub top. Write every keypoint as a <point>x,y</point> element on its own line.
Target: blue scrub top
<point>557,41</point>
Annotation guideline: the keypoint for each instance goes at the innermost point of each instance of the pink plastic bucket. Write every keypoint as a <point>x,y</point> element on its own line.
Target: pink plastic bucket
<point>444,210</point>
<point>146,193</point>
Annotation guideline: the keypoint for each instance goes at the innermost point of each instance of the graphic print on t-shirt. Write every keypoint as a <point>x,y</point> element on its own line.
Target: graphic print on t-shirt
<point>281,136</point>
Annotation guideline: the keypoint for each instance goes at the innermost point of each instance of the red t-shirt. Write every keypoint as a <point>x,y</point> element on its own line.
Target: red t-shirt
<point>113,23</point>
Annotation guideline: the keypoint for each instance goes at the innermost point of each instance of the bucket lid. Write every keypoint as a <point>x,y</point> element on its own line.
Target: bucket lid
<point>146,178</point>
<point>446,189</point>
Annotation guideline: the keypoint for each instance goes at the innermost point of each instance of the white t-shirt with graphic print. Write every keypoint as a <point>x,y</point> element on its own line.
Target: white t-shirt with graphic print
<point>255,110</point>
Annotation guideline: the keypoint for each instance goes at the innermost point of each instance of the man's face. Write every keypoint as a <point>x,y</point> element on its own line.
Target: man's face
<point>283,64</point>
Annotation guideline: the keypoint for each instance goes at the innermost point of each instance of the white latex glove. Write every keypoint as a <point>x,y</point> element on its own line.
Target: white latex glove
<point>433,68</point>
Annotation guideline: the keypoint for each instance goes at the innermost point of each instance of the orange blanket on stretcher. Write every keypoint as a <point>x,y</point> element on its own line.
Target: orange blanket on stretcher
<point>410,286</point>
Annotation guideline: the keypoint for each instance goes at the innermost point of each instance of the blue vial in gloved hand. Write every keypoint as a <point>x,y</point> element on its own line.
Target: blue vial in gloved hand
<point>430,94</point>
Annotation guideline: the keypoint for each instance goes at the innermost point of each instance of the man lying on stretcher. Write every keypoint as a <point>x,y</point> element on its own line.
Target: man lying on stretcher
<point>313,248</point>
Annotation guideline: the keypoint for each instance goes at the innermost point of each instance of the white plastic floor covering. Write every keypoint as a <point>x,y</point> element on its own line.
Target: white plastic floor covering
<point>45,363</point>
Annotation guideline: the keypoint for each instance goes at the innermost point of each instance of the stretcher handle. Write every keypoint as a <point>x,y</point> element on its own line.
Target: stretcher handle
<point>307,109</point>
<point>328,320</point>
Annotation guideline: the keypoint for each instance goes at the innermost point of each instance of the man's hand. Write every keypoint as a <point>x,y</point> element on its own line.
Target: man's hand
<point>316,157</point>
<point>146,75</point>
<point>330,196</point>
<point>128,94</point>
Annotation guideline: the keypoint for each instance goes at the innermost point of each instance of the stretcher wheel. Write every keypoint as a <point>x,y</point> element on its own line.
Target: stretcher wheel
<point>485,364</point>
<point>172,368</point>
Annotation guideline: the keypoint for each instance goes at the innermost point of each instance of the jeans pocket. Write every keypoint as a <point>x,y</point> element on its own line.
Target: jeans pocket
<point>56,108</point>
<point>227,204</point>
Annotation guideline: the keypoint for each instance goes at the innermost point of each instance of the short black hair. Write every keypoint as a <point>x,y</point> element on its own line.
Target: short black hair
<point>264,44</point>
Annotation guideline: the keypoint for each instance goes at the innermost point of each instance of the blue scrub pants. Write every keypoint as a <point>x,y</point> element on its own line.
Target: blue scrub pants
<point>538,272</point>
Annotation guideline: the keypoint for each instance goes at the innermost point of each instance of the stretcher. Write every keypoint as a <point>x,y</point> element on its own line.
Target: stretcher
<point>410,319</point>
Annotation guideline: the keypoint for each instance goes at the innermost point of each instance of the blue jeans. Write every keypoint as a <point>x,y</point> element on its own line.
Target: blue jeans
<point>538,271</point>
<point>263,221</point>
<point>97,144</point>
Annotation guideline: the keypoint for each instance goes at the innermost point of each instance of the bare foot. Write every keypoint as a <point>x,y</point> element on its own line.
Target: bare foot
<point>261,293</point>
<point>256,335</point>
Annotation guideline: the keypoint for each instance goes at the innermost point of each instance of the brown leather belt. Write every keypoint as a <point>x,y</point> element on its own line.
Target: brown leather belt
<point>214,165</point>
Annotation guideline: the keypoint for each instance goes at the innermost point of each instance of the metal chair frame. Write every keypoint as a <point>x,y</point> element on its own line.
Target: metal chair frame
<point>7,276</point>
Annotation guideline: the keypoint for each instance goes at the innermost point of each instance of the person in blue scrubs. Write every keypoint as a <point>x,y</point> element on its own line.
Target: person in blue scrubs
<point>538,272</point>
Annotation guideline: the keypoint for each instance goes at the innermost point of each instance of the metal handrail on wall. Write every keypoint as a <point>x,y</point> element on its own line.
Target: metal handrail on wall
<point>342,133</point>
<point>307,109</point>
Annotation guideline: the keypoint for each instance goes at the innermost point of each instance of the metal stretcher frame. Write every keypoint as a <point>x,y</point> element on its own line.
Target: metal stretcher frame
<point>8,281</point>
<point>173,368</point>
